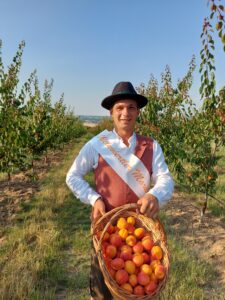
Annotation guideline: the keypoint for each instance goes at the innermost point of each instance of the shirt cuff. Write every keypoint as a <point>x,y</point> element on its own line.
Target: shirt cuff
<point>159,195</point>
<point>93,198</point>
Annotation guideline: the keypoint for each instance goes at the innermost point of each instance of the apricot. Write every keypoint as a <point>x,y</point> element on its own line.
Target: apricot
<point>131,240</point>
<point>130,228</point>
<point>138,248</point>
<point>130,267</point>
<point>121,276</point>
<point>146,269</point>
<point>150,287</point>
<point>126,248</point>
<point>117,263</point>
<point>108,262</point>
<point>147,243</point>
<point>143,278</point>
<point>154,263</point>
<point>106,236</point>
<point>116,229</point>
<point>121,223</point>
<point>123,233</point>
<point>146,257</point>
<point>115,240</point>
<point>110,229</point>
<point>147,234</point>
<point>156,252</point>
<point>133,280</point>
<point>110,251</point>
<point>139,232</point>
<point>160,271</point>
<point>127,287</point>
<point>126,255</point>
<point>131,220</point>
<point>112,272</point>
<point>139,290</point>
<point>138,259</point>
<point>153,277</point>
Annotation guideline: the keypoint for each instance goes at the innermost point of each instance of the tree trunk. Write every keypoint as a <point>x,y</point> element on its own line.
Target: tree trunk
<point>204,206</point>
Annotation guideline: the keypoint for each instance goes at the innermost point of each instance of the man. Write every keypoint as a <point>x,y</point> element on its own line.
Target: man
<point>123,164</point>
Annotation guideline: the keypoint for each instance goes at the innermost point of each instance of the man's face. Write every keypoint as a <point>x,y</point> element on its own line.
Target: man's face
<point>124,114</point>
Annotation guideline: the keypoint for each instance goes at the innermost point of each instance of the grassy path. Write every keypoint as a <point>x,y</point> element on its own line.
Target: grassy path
<point>46,254</point>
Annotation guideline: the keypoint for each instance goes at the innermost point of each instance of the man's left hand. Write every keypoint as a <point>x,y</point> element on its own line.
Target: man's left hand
<point>149,205</point>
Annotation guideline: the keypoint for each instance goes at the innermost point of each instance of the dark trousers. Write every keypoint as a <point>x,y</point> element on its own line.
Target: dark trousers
<point>98,288</point>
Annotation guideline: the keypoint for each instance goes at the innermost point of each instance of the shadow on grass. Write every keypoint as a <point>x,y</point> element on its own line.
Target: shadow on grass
<point>74,215</point>
<point>67,267</point>
<point>73,221</point>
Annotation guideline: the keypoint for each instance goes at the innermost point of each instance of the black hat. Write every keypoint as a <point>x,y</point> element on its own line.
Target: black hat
<point>124,90</point>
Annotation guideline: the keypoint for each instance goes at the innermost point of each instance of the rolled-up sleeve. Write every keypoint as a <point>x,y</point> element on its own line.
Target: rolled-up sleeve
<point>83,164</point>
<point>163,184</point>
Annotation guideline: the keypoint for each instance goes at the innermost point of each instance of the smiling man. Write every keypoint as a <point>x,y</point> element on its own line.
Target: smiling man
<point>124,165</point>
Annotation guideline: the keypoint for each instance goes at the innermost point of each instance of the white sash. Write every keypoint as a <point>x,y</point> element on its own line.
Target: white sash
<point>127,165</point>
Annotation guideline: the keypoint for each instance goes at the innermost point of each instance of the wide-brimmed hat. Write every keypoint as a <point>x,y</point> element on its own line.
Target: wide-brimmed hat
<point>124,90</point>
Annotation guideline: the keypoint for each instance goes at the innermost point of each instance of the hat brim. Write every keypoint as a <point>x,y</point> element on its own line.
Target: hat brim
<point>109,101</point>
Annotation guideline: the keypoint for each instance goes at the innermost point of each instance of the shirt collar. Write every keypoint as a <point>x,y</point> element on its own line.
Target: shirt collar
<point>131,140</point>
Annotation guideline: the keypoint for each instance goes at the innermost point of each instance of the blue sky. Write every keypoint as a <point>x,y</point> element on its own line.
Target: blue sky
<point>87,46</point>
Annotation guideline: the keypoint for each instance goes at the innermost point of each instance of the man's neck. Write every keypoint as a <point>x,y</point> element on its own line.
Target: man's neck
<point>124,135</point>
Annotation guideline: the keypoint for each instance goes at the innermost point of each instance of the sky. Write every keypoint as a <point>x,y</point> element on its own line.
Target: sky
<point>87,46</point>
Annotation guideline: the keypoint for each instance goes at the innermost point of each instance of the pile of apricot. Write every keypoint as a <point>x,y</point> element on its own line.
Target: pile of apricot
<point>132,258</point>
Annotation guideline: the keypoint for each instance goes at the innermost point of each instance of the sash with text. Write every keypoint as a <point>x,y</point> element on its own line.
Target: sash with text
<point>127,165</point>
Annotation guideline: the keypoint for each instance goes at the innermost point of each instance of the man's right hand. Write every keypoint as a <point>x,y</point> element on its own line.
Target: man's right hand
<point>99,209</point>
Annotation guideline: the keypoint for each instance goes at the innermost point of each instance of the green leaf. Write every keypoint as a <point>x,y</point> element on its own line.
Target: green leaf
<point>223,39</point>
<point>210,55</point>
<point>219,25</point>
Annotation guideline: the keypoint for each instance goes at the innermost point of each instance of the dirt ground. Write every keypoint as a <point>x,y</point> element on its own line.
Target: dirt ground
<point>206,238</point>
<point>21,188</point>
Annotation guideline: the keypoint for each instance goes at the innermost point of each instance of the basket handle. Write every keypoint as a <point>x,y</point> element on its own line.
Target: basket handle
<point>118,210</point>
<point>129,206</point>
<point>114,214</point>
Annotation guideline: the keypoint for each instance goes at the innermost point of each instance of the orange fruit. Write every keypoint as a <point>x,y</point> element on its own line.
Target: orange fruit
<point>121,223</point>
<point>131,220</point>
<point>123,233</point>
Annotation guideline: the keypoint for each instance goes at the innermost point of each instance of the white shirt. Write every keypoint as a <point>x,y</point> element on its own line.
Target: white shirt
<point>87,160</point>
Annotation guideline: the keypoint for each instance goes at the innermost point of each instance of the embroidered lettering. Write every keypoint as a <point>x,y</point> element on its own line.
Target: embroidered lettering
<point>140,179</point>
<point>123,161</point>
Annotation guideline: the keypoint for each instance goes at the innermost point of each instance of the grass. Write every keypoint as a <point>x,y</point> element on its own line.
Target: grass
<point>43,252</point>
<point>46,254</point>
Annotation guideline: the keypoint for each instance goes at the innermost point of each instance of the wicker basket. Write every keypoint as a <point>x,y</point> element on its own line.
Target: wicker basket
<point>159,237</point>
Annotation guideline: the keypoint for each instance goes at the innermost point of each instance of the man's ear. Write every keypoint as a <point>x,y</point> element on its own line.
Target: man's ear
<point>110,111</point>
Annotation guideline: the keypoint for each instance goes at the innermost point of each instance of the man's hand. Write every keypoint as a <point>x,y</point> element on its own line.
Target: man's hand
<point>99,208</point>
<point>149,205</point>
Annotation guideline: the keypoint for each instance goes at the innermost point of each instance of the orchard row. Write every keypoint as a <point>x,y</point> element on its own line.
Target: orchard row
<point>29,123</point>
